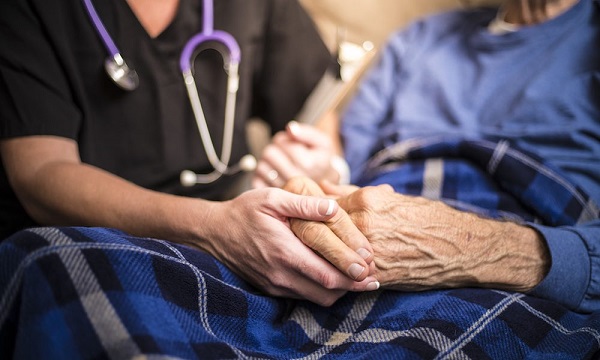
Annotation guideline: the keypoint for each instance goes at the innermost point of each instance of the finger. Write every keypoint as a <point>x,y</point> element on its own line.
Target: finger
<point>336,190</point>
<point>340,225</point>
<point>307,134</point>
<point>284,204</point>
<point>312,158</point>
<point>300,285</point>
<point>303,158</point>
<point>282,159</point>
<point>359,199</point>
<point>320,282</point>
<point>338,240</point>
<point>278,159</point>
<point>320,238</point>
<point>327,276</point>
<point>268,174</point>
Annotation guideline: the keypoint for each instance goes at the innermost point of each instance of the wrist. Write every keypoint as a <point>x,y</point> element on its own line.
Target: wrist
<point>518,258</point>
<point>190,221</point>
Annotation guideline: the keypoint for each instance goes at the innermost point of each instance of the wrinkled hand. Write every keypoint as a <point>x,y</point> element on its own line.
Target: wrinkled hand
<point>252,236</point>
<point>421,244</point>
<point>300,150</point>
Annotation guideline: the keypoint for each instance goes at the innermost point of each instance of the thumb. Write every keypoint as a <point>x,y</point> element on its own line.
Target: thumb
<point>307,134</point>
<point>305,207</point>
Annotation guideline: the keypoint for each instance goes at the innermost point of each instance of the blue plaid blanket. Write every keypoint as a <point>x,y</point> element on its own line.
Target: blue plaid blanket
<point>69,293</point>
<point>495,179</point>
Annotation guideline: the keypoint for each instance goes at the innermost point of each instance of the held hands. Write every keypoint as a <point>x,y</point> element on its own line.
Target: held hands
<point>421,244</point>
<point>252,236</point>
<point>300,150</point>
<point>336,239</point>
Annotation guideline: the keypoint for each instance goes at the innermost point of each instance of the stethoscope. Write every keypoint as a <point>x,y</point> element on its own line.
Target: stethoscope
<point>127,79</point>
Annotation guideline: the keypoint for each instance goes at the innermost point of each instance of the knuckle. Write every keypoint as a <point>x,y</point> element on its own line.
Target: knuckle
<point>301,229</point>
<point>386,188</point>
<point>327,280</point>
<point>369,196</point>
<point>278,284</point>
<point>311,233</point>
<point>318,232</point>
<point>305,205</point>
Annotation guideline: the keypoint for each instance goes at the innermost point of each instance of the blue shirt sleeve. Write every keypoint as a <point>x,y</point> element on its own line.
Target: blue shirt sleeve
<point>367,113</point>
<point>573,277</point>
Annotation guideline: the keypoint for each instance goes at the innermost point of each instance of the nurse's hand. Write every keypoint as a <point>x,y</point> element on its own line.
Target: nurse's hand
<point>251,235</point>
<point>300,150</point>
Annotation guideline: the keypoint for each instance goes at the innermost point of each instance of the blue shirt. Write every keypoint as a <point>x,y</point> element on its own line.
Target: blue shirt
<point>538,88</point>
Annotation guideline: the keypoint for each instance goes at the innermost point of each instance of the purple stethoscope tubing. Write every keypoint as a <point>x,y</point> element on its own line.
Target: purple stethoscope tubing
<point>209,34</point>
<point>99,25</point>
<point>115,66</point>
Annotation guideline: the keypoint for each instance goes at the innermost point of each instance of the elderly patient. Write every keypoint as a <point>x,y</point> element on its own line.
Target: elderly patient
<point>495,114</point>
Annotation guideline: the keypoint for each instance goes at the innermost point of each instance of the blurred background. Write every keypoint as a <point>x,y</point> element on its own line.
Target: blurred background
<point>373,20</point>
<point>354,30</point>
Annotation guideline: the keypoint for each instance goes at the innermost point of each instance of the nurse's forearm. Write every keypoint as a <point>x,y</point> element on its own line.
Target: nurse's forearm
<point>56,188</point>
<point>79,194</point>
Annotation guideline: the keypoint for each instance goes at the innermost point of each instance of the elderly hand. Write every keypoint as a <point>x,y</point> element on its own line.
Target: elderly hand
<point>252,236</point>
<point>300,150</point>
<point>421,244</point>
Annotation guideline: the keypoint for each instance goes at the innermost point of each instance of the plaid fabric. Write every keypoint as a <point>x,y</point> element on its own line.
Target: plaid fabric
<point>494,179</point>
<point>70,293</point>
<point>96,293</point>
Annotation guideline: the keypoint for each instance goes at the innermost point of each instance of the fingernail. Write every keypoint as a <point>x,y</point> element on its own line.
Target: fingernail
<point>355,270</point>
<point>293,126</point>
<point>364,253</point>
<point>373,286</point>
<point>326,207</point>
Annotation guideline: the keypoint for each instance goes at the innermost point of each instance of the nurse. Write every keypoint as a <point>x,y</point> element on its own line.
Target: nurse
<point>78,150</point>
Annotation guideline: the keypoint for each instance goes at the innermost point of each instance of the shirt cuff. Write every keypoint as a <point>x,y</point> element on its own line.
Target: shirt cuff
<point>569,276</point>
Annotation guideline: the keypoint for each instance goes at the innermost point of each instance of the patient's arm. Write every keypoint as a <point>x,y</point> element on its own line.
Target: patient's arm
<point>421,244</point>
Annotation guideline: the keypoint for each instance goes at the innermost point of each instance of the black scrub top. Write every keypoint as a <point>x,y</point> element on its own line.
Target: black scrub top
<point>52,82</point>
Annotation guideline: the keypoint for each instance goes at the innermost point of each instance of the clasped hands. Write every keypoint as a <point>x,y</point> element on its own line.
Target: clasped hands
<point>420,244</point>
<point>382,238</point>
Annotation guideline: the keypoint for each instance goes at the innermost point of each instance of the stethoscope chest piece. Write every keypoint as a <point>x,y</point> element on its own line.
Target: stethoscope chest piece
<point>122,75</point>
